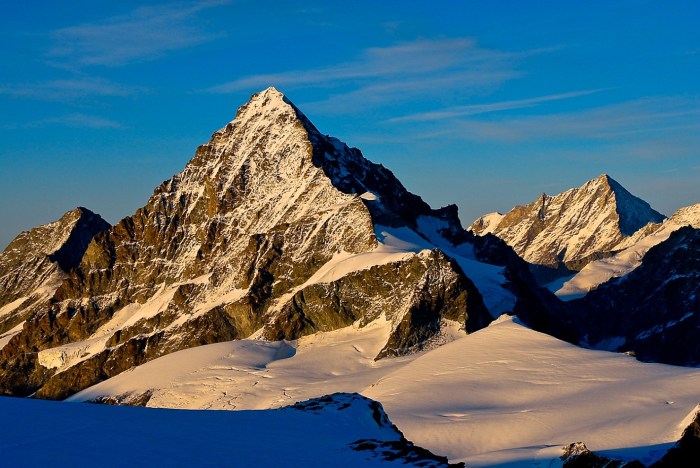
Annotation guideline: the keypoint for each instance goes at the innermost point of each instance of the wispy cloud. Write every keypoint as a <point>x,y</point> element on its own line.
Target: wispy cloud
<point>83,121</point>
<point>67,89</point>
<point>74,120</point>
<point>654,117</point>
<point>398,72</point>
<point>145,33</point>
<point>414,58</point>
<point>476,109</point>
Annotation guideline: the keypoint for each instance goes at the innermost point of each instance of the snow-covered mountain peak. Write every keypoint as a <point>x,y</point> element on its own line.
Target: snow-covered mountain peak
<point>269,231</point>
<point>689,215</point>
<point>266,103</point>
<point>634,212</point>
<point>602,179</point>
<point>573,227</point>
<point>270,92</point>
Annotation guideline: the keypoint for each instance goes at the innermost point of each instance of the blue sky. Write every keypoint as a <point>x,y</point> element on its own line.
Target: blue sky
<point>484,104</point>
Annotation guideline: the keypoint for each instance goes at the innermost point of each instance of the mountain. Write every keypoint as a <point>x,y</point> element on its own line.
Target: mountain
<point>569,230</point>
<point>334,430</point>
<point>275,231</point>
<point>36,262</point>
<point>653,311</point>
<point>629,257</point>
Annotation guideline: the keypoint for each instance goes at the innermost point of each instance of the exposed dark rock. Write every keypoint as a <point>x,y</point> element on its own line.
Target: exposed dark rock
<point>577,455</point>
<point>402,450</point>
<point>127,399</point>
<point>415,294</point>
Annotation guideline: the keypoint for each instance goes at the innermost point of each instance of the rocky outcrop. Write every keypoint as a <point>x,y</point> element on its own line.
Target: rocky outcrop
<point>569,230</point>
<point>34,264</point>
<point>577,455</point>
<point>270,231</point>
<point>415,295</point>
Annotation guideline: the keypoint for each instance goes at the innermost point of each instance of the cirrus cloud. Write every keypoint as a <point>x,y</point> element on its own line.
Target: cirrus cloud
<point>145,33</point>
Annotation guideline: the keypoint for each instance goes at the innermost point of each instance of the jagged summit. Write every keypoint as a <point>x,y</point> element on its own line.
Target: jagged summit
<point>36,254</point>
<point>634,213</point>
<point>349,171</point>
<point>574,227</point>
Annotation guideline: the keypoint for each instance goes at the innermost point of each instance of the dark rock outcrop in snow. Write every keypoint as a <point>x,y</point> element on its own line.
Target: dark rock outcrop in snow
<point>577,455</point>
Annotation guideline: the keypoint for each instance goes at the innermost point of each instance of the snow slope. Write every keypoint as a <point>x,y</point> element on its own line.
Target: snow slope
<point>318,433</point>
<point>252,374</point>
<point>629,258</point>
<point>503,394</point>
<point>487,223</point>
<point>509,394</point>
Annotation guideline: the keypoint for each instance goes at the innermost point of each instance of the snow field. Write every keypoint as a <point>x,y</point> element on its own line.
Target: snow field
<point>505,394</point>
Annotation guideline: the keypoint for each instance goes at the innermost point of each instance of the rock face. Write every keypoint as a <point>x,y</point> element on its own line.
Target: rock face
<point>274,231</point>
<point>573,228</point>
<point>36,261</point>
<point>654,311</point>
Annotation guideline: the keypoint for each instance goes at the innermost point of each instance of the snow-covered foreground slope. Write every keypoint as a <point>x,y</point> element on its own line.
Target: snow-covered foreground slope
<point>502,394</point>
<point>322,432</point>
<point>511,394</point>
<point>629,258</point>
<point>252,374</point>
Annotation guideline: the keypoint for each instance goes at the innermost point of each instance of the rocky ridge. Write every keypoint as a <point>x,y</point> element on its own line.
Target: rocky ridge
<point>274,231</point>
<point>684,452</point>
